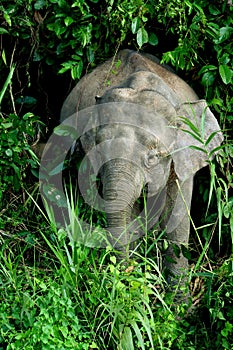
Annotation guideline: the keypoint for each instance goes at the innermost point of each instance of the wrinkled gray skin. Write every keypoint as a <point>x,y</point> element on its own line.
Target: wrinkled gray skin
<point>153,148</point>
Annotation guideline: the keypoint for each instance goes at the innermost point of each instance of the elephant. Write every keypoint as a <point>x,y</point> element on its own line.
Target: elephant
<point>144,129</point>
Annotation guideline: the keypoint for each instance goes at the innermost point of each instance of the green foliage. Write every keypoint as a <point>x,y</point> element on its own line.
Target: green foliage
<point>15,156</point>
<point>70,296</point>
<point>83,299</point>
<point>221,314</point>
<point>70,33</point>
<point>39,313</point>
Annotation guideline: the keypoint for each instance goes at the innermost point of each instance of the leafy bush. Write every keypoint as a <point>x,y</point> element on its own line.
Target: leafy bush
<point>83,299</point>
<point>90,304</point>
<point>15,150</point>
<point>220,302</point>
<point>40,315</point>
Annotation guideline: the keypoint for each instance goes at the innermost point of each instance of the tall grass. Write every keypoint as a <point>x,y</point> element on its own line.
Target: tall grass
<point>122,299</point>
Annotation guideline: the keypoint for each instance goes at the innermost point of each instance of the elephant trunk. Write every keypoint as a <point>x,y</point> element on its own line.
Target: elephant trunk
<point>122,185</point>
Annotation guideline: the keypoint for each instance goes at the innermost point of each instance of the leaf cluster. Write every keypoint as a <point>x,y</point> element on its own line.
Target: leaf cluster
<point>15,152</point>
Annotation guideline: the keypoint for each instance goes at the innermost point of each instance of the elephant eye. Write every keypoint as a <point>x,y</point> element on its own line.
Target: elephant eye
<point>151,158</point>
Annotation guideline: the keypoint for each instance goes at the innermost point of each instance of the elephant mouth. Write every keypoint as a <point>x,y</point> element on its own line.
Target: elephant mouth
<point>147,210</point>
<point>140,203</point>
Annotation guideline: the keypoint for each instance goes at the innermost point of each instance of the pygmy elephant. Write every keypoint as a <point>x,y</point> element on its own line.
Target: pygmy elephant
<point>144,129</point>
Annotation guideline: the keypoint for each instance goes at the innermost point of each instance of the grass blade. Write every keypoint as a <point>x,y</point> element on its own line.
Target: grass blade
<point>138,334</point>
<point>7,82</point>
<point>194,135</point>
<point>127,339</point>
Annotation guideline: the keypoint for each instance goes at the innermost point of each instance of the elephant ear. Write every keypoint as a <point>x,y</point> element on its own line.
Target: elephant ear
<point>198,135</point>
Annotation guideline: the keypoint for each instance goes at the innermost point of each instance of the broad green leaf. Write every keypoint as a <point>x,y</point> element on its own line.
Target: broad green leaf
<point>76,71</point>
<point>227,209</point>
<point>7,125</point>
<point>58,169</point>
<point>214,10</point>
<point>28,115</point>
<point>225,59</point>
<point>9,152</point>
<point>231,225</point>
<point>217,101</point>
<point>213,30</point>
<point>7,18</point>
<point>153,39</point>
<point>64,69</point>
<point>118,64</point>
<point>65,130</point>
<point>207,69</point>
<point>142,37</point>
<point>76,58</point>
<point>90,54</point>
<point>224,34</point>
<point>16,169</point>
<point>39,4</point>
<point>68,21</point>
<point>28,100</point>
<point>135,25</point>
<point>181,62</point>
<point>208,78</point>
<point>144,19</point>
<point>225,73</point>
<point>4,57</point>
<point>3,31</point>
<point>57,28</point>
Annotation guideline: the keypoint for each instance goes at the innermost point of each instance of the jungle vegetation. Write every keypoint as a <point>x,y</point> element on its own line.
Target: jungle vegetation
<point>55,293</point>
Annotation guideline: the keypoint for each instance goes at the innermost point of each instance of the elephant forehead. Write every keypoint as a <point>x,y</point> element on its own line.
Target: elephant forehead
<point>115,130</point>
<point>132,136</point>
<point>120,141</point>
<point>132,89</point>
<point>112,120</point>
<point>147,98</point>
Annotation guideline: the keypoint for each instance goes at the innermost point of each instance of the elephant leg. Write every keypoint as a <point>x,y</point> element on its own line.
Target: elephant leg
<point>176,221</point>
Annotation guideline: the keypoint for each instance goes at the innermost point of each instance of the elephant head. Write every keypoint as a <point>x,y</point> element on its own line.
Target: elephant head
<point>133,146</point>
<point>129,153</point>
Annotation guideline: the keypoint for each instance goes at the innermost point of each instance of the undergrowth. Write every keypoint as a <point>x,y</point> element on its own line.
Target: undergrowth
<point>49,300</point>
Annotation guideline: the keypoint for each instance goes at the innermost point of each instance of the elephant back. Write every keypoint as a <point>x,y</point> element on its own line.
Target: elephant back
<point>116,71</point>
